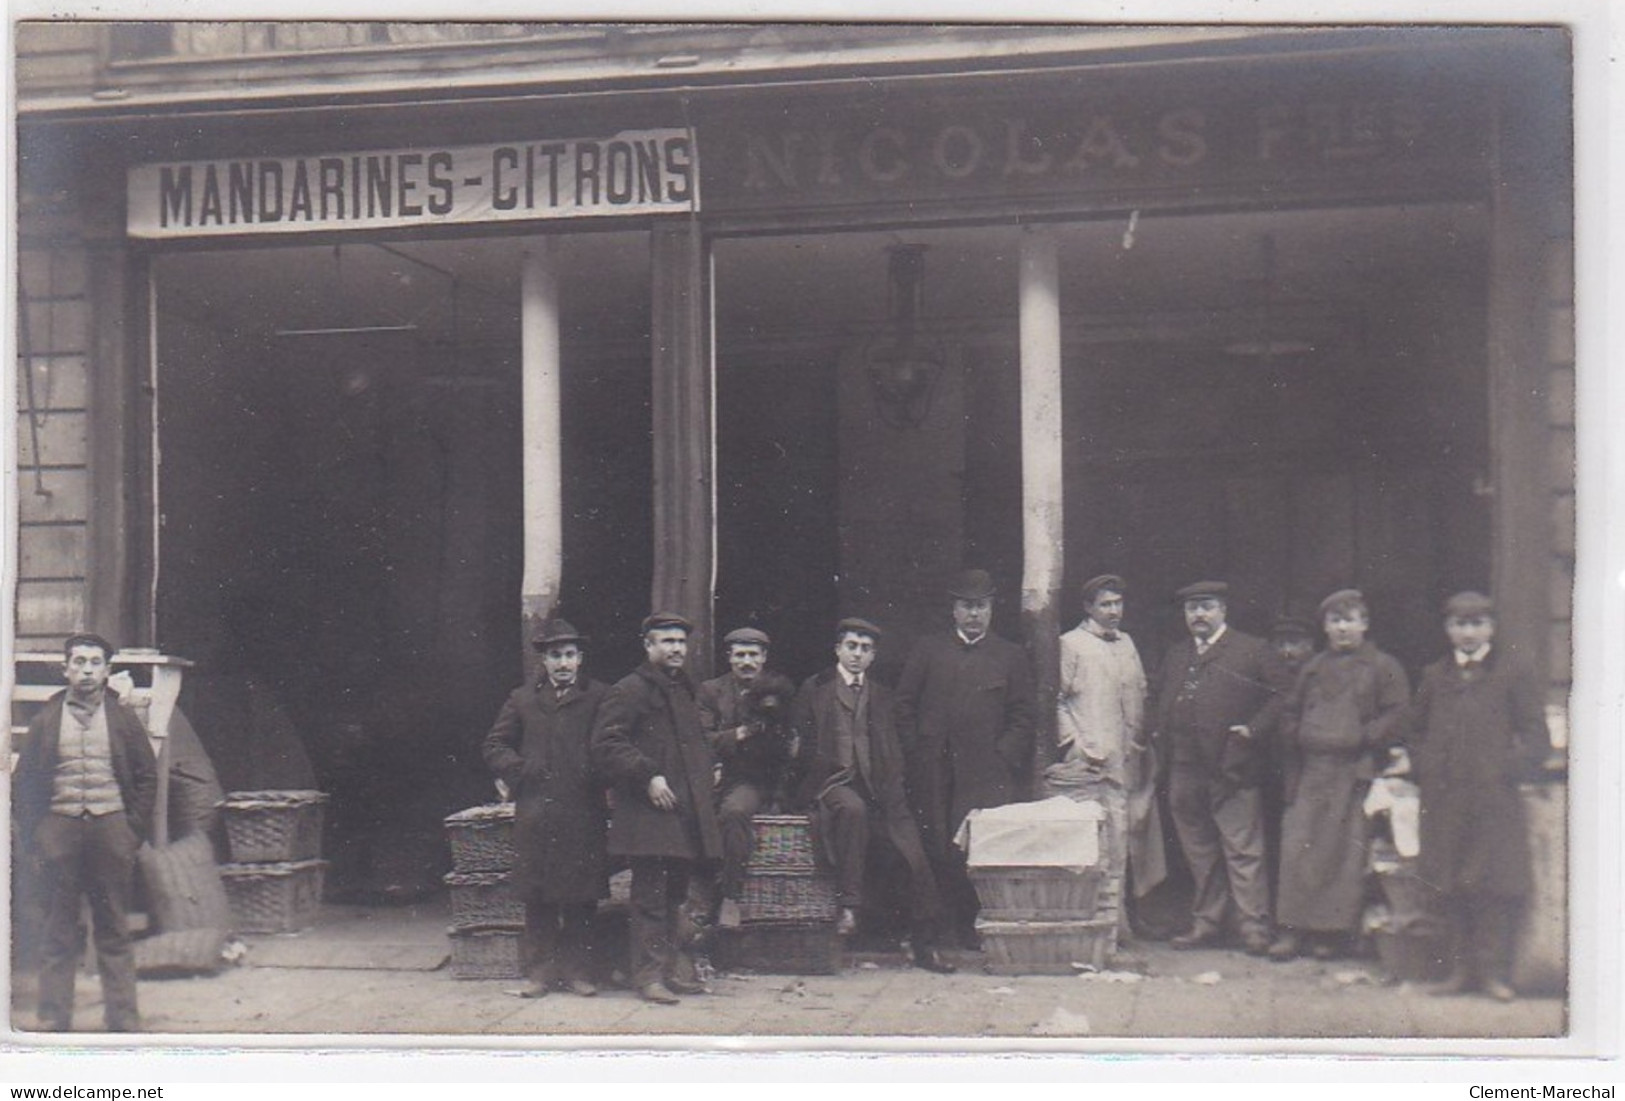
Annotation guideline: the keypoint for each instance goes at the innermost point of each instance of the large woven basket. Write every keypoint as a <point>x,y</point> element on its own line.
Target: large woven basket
<point>483,899</point>
<point>788,896</point>
<point>1045,947</point>
<point>490,953</point>
<point>274,898</point>
<point>780,948</point>
<point>1037,894</point>
<point>270,827</point>
<point>784,842</point>
<point>481,838</point>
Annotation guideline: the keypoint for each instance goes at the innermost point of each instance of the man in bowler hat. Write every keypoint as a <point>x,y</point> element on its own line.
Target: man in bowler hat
<point>965,714</point>
<point>1214,685</point>
<point>648,745</point>
<point>539,747</point>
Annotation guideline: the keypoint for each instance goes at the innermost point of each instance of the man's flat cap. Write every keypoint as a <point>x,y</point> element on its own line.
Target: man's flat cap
<point>972,585</point>
<point>857,626</point>
<point>1291,626</point>
<point>1105,581</point>
<point>1340,597</point>
<point>556,631</point>
<point>1469,605</point>
<point>1203,590</point>
<point>666,621</point>
<point>747,636</point>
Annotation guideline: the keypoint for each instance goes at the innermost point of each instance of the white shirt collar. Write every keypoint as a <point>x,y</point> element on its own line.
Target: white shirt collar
<point>1462,657</point>
<point>849,679</point>
<point>967,640</point>
<point>1215,637</point>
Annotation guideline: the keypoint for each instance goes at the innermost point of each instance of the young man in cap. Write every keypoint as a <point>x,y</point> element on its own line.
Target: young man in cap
<point>1214,685</point>
<point>965,714</point>
<point>745,715</point>
<point>1336,728</point>
<point>539,747</point>
<point>1099,722</point>
<point>1475,728</point>
<point>852,778</point>
<point>83,798</point>
<point>1292,642</point>
<point>648,745</point>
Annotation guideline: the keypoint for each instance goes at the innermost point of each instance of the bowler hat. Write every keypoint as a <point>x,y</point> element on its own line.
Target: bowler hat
<point>1203,590</point>
<point>1105,581</point>
<point>664,621</point>
<point>747,636</point>
<point>857,626</point>
<point>555,631</point>
<point>972,585</point>
<point>1340,598</point>
<point>1469,605</point>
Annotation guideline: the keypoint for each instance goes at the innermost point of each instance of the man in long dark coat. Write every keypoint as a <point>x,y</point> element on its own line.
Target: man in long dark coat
<point>1475,728</point>
<point>1214,686</point>
<point>83,800</point>
<point>540,748</point>
<point>851,776</point>
<point>648,745</point>
<point>965,713</point>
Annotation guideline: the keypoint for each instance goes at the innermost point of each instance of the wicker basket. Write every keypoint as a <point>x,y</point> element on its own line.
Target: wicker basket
<point>273,827</point>
<point>805,896</point>
<point>483,899</point>
<point>784,842</point>
<point>1044,947</point>
<point>274,898</point>
<point>780,948</point>
<point>488,953</point>
<point>1037,894</point>
<point>481,838</point>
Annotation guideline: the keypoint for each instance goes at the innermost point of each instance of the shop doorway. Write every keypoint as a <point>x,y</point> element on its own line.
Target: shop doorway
<point>341,504</point>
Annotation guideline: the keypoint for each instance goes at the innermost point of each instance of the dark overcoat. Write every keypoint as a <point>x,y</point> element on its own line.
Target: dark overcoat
<point>816,725</point>
<point>135,768</point>
<point>540,746</point>
<point>965,715</point>
<point>1472,737</point>
<point>726,704</point>
<point>649,726</point>
<point>1201,696</point>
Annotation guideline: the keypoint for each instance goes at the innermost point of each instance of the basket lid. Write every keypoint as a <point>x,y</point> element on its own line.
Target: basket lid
<point>490,812</point>
<point>278,868</point>
<point>474,879</point>
<point>264,800</point>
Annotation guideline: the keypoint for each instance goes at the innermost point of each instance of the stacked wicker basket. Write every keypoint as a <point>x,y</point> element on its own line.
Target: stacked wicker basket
<point>1039,920</point>
<point>274,882</point>
<point>487,917</point>
<point>789,905</point>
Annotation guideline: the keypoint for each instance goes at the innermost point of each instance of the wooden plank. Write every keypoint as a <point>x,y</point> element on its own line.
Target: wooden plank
<point>51,608</point>
<point>65,496</point>
<point>63,440</point>
<point>56,551</point>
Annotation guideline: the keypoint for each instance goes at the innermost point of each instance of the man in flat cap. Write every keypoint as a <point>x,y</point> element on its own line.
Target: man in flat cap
<point>745,715</point>
<point>82,801</point>
<point>965,714</point>
<point>1213,687</point>
<point>851,777</point>
<point>539,747</point>
<point>1100,719</point>
<point>648,745</point>
<point>1475,728</point>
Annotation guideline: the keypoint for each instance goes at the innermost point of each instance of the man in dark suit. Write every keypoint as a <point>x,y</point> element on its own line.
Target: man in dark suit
<point>83,796</point>
<point>1214,685</point>
<point>648,745</point>
<point>539,747</point>
<point>966,714</point>
<point>852,778</point>
<point>745,714</point>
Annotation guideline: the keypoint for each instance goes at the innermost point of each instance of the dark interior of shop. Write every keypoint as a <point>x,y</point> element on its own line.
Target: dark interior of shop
<point>1293,401</point>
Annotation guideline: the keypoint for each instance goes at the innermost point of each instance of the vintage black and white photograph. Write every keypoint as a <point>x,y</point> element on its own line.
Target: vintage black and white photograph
<point>635,532</point>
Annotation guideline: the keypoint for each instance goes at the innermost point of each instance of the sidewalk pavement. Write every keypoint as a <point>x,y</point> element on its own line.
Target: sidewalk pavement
<point>384,972</point>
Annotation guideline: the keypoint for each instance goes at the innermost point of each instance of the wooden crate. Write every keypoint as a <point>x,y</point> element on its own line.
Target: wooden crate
<point>1045,947</point>
<point>1037,894</point>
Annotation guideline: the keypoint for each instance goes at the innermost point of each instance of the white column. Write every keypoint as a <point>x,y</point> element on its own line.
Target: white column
<point>543,478</point>
<point>1043,557</point>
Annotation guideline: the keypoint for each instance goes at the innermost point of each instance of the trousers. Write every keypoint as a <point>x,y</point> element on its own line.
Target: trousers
<point>1222,835</point>
<point>558,940</point>
<point>659,889</point>
<point>739,805</point>
<point>87,858</point>
<point>1485,930</point>
<point>856,836</point>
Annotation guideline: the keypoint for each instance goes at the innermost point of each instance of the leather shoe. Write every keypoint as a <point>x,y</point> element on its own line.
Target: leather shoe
<point>683,986</point>
<point>1256,944</point>
<point>929,960</point>
<point>581,988</point>
<point>536,988</point>
<point>1284,948</point>
<point>1499,990</point>
<point>1196,938</point>
<point>847,923</point>
<point>657,993</point>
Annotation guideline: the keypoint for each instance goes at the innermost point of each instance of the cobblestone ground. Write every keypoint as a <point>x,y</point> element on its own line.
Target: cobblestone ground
<point>382,973</point>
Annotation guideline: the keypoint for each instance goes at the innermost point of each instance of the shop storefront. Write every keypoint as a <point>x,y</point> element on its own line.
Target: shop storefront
<point>777,340</point>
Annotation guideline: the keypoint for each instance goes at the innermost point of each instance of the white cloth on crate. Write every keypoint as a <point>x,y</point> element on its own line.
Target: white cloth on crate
<point>1051,833</point>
